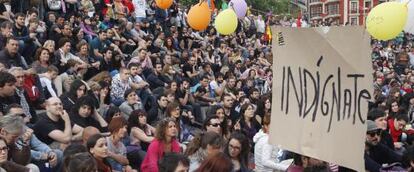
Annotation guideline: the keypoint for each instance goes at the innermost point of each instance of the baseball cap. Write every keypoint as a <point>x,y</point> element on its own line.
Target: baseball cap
<point>371,126</point>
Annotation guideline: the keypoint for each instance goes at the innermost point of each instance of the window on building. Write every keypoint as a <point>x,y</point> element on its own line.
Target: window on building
<point>354,7</point>
<point>354,21</point>
<point>332,9</point>
<point>312,1</point>
<point>316,11</point>
<point>368,4</point>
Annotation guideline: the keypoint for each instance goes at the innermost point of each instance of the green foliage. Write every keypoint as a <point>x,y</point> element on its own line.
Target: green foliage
<point>188,3</point>
<point>277,6</point>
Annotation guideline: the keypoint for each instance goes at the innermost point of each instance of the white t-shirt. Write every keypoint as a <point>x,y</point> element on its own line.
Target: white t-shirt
<point>46,82</point>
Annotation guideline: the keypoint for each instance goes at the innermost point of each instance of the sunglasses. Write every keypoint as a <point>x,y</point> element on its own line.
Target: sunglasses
<point>375,132</point>
<point>215,125</point>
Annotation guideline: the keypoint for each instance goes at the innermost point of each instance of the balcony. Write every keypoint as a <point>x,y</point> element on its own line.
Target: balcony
<point>315,2</point>
<point>329,1</point>
<point>332,15</point>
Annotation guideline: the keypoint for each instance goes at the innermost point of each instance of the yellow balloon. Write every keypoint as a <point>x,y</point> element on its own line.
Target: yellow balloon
<point>226,22</point>
<point>387,20</point>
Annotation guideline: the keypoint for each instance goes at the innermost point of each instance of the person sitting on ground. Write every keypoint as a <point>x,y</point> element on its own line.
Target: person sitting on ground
<point>376,153</point>
<point>132,102</point>
<point>116,149</point>
<point>5,164</point>
<point>204,145</point>
<point>165,141</point>
<point>97,147</point>
<point>17,140</point>
<point>54,126</point>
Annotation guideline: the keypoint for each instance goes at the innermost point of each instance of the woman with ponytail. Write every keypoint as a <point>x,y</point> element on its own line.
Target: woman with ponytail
<point>203,145</point>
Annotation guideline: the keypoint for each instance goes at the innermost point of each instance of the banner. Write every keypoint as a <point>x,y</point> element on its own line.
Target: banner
<point>322,85</point>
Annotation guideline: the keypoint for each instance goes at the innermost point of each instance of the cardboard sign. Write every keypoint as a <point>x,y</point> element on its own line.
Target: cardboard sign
<point>322,85</point>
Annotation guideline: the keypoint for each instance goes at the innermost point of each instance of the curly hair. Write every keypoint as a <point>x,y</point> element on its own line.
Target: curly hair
<point>162,126</point>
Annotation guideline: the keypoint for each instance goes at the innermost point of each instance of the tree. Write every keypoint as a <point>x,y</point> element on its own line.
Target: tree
<point>276,6</point>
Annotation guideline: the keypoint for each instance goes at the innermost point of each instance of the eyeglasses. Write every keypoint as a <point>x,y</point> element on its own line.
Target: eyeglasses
<point>4,149</point>
<point>375,132</point>
<point>216,125</point>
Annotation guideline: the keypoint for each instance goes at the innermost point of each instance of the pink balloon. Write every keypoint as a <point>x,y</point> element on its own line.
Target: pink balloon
<point>240,7</point>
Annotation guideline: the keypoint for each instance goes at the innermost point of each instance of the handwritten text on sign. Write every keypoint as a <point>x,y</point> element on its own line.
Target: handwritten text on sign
<point>344,101</point>
<point>320,93</point>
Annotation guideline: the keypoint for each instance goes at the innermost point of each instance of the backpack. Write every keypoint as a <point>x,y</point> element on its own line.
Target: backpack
<point>29,85</point>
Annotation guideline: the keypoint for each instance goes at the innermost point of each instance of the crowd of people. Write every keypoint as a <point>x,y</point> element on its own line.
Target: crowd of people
<point>122,85</point>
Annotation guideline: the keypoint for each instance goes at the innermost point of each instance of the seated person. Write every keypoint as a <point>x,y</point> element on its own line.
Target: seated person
<point>376,153</point>
<point>132,102</point>
<point>17,140</point>
<point>39,151</point>
<point>54,127</point>
<point>396,127</point>
<point>83,114</point>
<point>47,79</point>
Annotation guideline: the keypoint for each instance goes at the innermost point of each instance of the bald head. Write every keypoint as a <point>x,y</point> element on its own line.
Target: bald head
<point>88,132</point>
<point>52,100</point>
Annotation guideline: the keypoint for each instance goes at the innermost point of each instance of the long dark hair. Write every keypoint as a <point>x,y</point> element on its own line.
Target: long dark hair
<point>111,112</point>
<point>92,142</point>
<point>133,120</point>
<point>242,118</point>
<point>74,88</point>
<point>225,130</point>
<point>245,148</point>
<point>261,106</point>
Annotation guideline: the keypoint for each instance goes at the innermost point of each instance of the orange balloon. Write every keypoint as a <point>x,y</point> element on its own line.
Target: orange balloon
<point>164,4</point>
<point>199,16</point>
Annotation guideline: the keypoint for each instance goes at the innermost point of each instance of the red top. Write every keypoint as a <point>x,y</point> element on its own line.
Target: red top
<point>395,134</point>
<point>155,153</point>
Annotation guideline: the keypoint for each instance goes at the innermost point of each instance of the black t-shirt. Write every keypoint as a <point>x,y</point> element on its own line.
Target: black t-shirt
<point>45,125</point>
<point>85,122</point>
<point>187,68</point>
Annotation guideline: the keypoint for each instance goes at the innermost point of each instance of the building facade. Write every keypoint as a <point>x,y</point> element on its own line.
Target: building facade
<point>340,11</point>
